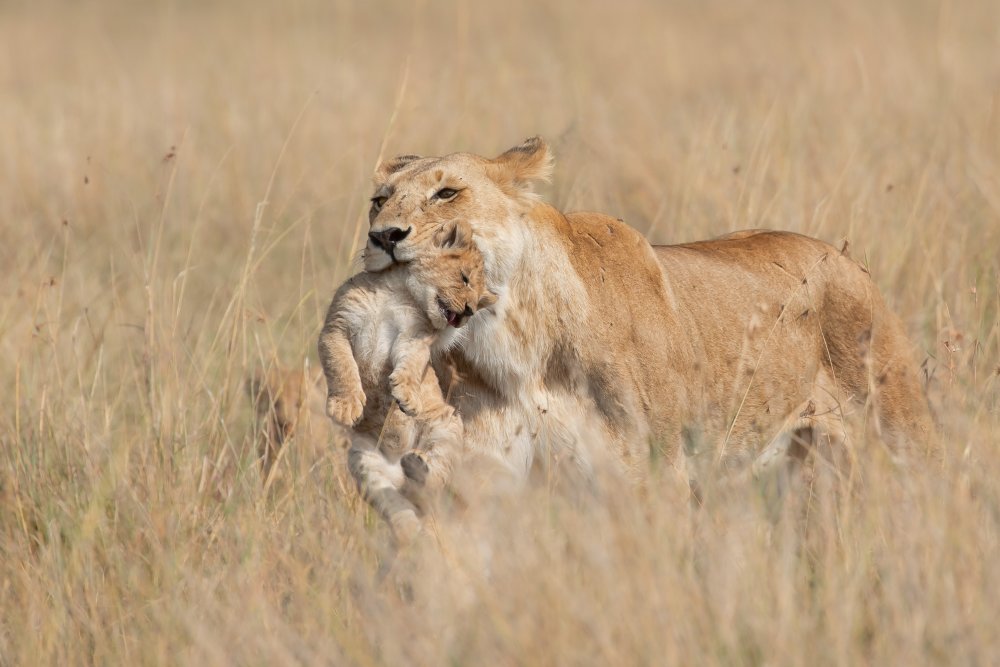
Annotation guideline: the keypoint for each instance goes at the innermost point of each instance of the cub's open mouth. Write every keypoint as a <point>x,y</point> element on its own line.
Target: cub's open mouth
<point>454,319</point>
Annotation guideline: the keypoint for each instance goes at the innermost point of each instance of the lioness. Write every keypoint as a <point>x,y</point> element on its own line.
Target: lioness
<point>375,349</point>
<point>603,349</point>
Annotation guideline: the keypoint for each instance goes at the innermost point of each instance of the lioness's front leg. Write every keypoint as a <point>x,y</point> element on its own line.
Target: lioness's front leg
<point>345,397</point>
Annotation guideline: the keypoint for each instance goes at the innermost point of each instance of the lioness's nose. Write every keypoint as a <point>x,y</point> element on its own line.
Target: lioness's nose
<point>388,238</point>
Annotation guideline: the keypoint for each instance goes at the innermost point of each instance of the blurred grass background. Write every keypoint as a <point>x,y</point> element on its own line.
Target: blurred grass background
<point>184,184</point>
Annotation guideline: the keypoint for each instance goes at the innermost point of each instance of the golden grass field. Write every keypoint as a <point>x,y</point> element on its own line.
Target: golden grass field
<point>183,185</point>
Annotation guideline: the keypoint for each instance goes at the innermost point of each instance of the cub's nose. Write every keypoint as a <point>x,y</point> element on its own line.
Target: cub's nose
<point>388,238</point>
<point>467,312</point>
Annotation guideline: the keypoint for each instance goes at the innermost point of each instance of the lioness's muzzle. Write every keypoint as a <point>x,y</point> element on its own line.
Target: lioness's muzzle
<point>388,238</point>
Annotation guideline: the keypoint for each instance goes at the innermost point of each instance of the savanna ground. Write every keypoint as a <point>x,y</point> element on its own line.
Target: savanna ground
<point>183,185</point>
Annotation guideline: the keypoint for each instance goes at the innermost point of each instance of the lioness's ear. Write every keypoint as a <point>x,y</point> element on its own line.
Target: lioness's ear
<point>386,168</point>
<point>516,168</point>
<point>487,300</point>
<point>454,234</point>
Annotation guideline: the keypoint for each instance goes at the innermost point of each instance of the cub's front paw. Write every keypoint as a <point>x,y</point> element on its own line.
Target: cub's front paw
<point>406,394</point>
<point>415,468</point>
<point>346,409</point>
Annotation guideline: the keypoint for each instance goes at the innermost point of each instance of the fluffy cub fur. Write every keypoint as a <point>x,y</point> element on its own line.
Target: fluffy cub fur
<point>375,349</point>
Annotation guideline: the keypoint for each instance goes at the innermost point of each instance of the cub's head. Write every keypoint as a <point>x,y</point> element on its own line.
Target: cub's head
<point>415,196</point>
<point>447,277</point>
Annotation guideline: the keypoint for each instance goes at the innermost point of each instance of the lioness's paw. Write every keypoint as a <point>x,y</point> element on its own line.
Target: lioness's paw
<point>346,409</point>
<point>415,468</point>
<point>407,395</point>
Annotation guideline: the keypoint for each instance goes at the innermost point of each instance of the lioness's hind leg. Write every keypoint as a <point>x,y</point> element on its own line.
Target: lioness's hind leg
<point>896,391</point>
<point>873,360</point>
<point>814,427</point>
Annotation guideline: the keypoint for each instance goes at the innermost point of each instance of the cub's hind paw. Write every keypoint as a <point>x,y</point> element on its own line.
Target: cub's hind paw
<point>346,410</point>
<point>415,468</point>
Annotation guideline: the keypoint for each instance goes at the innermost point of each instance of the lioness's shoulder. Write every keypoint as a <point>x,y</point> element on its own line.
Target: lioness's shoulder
<point>599,237</point>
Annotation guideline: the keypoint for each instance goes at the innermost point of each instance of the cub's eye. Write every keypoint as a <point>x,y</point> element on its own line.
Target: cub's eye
<point>378,202</point>
<point>445,194</point>
<point>465,278</point>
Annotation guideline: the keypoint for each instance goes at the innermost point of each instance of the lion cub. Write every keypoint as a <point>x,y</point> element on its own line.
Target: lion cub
<point>375,349</point>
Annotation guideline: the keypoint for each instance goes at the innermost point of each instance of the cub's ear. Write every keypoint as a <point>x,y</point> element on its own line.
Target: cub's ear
<point>486,300</point>
<point>454,234</point>
<point>515,169</point>
<point>387,168</point>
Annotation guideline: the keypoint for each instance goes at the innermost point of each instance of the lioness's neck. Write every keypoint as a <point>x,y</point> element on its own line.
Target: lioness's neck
<point>528,267</point>
<point>514,247</point>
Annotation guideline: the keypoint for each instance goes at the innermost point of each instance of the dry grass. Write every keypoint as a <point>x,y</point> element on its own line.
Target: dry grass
<point>183,186</point>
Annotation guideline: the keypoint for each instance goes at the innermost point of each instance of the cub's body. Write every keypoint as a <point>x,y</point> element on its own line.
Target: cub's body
<point>377,315</point>
<point>376,348</point>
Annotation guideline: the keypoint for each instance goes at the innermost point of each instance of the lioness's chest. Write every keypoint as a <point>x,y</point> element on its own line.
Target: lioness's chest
<point>505,352</point>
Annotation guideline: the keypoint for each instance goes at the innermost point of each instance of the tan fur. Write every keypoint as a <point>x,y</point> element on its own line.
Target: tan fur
<point>375,349</point>
<point>604,350</point>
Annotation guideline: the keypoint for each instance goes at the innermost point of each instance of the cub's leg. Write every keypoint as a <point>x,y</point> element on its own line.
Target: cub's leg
<point>411,357</point>
<point>379,481</point>
<point>345,398</point>
<point>430,466</point>
<point>440,445</point>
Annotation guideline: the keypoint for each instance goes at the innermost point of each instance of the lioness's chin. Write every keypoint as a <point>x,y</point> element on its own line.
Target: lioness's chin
<point>376,260</point>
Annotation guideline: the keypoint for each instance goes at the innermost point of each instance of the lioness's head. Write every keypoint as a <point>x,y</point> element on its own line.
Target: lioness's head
<point>415,196</point>
<point>447,278</point>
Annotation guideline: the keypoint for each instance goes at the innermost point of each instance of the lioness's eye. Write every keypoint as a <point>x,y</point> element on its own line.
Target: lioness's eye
<point>445,193</point>
<point>378,202</point>
<point>465,278</point>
